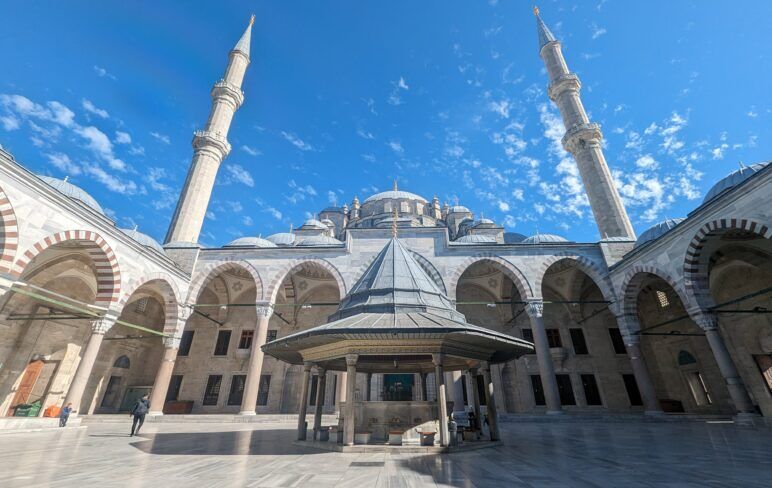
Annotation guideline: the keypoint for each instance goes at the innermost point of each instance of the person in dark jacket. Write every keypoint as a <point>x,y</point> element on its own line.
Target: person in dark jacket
<point>138,411</point>
<point>64,414</point>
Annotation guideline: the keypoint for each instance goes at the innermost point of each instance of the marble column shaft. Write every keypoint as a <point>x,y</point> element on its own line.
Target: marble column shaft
<point>442,400</point>
<point>349,423</point>
<point>643,378</point>
<point>304,401</point>
<point>321,386</point>
<point>535,309</point>
<point>99,328</point>
<point>490,403</point>
<point>475,399</point>
<point>163,377</point>
<point>255,368</point>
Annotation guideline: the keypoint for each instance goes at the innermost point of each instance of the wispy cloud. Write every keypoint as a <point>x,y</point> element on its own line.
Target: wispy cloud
<point>103,73</point>
<point>63,163</point>
<point>89,107</point>
<point>396,146</point>
<point>597,31</point>
<point>122,137</point>
<point>163,138</point>
<point>251,151</point>
<point>296,141</point>
<point>395,97</point>
<point>238,173</point>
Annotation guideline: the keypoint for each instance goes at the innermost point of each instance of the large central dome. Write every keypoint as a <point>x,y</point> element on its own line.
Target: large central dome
<point>395,195</point>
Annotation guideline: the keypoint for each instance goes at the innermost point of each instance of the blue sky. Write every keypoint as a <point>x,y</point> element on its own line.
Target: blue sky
<point>449,97</point>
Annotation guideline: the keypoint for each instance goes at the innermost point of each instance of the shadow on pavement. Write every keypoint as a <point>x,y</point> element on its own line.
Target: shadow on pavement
<point>242,442</point>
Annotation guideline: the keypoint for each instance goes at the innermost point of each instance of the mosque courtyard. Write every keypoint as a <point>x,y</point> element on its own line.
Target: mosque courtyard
<point>569,453</point>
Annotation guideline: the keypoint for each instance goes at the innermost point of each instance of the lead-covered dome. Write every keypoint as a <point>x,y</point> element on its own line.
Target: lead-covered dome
<point>282,239</point>
<point>476,239</point>
<point>143,239</point>
<point>318,241</point>
<point>657,230</point>
<point>74,192</point>
<point>733,179</point>
<point>313,224</point>
<point>544,239</point>
<point>250,242</point>
<point>395,195</point>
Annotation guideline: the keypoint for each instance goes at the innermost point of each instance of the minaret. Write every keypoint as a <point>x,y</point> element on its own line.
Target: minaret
<point>210,146</point>
<point>582,139</point>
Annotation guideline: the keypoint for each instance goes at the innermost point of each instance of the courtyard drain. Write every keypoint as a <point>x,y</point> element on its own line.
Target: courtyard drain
<point>362,464</point>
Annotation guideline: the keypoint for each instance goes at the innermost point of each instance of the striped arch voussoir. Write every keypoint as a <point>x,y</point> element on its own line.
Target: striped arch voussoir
<point>104,259</point>
<point>633,282</point>
<point>696,265</point>
<point>164,284</point>
<point>509,269</point>
<point>281,275</point>
<point>9,234</point>
<point>586,265</point>
<point>209,271</point>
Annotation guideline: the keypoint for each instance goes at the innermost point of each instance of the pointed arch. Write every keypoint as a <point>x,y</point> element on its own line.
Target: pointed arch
<point>631,288</point>
<point>589,267</point>
<point>506,267</point>
<point>9,234</point>
<point>696,265</point>
<point>165,285</point>
<point>104,259</point>
<point>209,271</point>
<point>279,277</point>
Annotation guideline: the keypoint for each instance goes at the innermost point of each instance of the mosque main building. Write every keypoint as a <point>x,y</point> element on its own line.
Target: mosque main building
<point>669,322</point>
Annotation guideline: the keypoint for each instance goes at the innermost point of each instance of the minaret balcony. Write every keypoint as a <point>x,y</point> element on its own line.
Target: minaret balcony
<point>229,91</point>
<point>204,139</point>
<point>563,83</point>
<point>579,135</point>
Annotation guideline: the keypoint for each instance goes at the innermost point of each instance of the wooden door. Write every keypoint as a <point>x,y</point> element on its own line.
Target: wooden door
<point>28,380</point>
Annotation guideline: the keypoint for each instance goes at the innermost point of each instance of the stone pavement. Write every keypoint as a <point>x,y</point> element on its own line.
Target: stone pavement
<point>262,455</point>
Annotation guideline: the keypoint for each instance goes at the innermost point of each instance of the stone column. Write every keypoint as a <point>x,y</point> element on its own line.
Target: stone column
<point>349,423</point>
<point>99,328</point>
<point>255,368</point>
<point>458,391</point>
<point>475,399</point>
<point>424,390</point>
<point>304,401</point>
<point>490,402</point>
<point>163,376</point>
<point>642,377</point>
<point>535,309</point>
<point>369,386</point>
<point>342,387</point>
<point>442,401</point>
<point>321,386</point>
<point>734,383</point>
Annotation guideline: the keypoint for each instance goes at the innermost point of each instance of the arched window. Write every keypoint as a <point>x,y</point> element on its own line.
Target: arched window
<point>685,358</point>
<point>122,362</point>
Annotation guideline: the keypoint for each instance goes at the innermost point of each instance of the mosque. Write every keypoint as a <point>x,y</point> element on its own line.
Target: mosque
<point>672,322</point>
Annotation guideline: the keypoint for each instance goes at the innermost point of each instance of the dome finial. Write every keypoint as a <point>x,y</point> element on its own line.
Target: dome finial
<point>66,178</point>
<point>136,226</point>
<point>535,11</point>
<point>290,229</point>
<point>742,166</point>
<point>252,19</point>
<point>395,184</point>
<point>394,223</point>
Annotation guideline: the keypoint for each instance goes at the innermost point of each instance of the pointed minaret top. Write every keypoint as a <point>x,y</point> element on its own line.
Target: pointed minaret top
<point>246,38</point>
<point>395,185</point>
<point>545,35</point>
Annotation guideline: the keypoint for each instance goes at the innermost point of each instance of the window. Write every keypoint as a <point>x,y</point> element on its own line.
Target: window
<point>538,391</point>
<point>212,392</point>
<point>262,391</point>
<point>185,343</point>
<point>245,342</point>
<point>223,339</point>
<point>553,338</point>
<point>632,390</point>
<point>237,389</point>
<point>141,305</point>
<point>314,387</point>
<point>565,389</point>
<point>764,363</point>
<point>122,362</point>
<point>271,335</point>
<point>577,339</point>
<point>662,299</point>
<point>591,392</point>
<point>528,335</point>
<point>173,393</point>
<point>617,341</point>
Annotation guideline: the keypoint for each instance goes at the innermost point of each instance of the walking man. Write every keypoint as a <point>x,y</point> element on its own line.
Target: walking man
<point>138,411</point>
<point>64,414</point>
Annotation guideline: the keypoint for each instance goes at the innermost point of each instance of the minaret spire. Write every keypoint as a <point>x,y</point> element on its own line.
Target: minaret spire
<point>210,146</point>
<point>583,139</point>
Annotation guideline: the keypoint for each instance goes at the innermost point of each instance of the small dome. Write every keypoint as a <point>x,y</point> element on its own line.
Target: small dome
<point>513,237</point>
<point>328,222</point>
<point>74,192</point>
<point>476,239</point>
<point>250,242</point>
<point>733,179</point>
<point>313,224</point>
<point>459,209</point>
<point>657,230</point>
<point>544,239</point>
<point>484,223</point>
<point>282,239</point>
<point>143,239</point>
<point>318,241</point>
<point>395,195</point>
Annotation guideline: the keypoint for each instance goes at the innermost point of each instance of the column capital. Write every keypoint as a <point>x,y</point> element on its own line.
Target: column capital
<point>264,309</point>
<point>321,371</point>
<point>485,366</point>
<point>535,307</point>
<point>104,323</point>
<point>351,359</point>
<point>705,319</point>
<point>307,365</point>
<point>473,371</point>
<point>172,342</point>
<point>184,312</point>
<point>438,359</point>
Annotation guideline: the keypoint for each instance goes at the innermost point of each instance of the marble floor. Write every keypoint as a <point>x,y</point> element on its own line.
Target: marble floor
<point>262,455</point>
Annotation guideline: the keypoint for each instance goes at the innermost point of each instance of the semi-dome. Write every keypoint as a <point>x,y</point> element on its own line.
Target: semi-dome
<point>313,224</point>
<point>544,239</point>
<point>733,179</point>
<point>657,230</point>
<point>476,239</point>
<point>143,239</point>
<point>282,239</point>
<point>74,192</point>
<point>318,241</point>
<point>250,242</point>
<point>395,195</point>
<point>513,237</point>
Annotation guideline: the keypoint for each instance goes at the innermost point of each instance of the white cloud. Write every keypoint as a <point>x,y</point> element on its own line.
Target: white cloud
<point>89,107</point>
<point>163,138</point>
<point>370,158</point>
<point>240,174</point>
<point>503,206</point>
<point>247,220</point>
<point>110,181</point>
<point>63,162</point>
<point>103,73</point>
<point>396,146</point>
<point>296,141</point>
<point>597,31</point>
<point>122,137</point>
<point>365,134</point>
<point>399,86</point>
<point>251,151</point>
<point>718,152</point>
<point>163,195</point>
<point>9,122</point>
<point>300,192</point>
<point>500,107</point>
<point>98,142</point>
<point>273,212</point>
<point>332,197</point>
<point>647,162</point>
